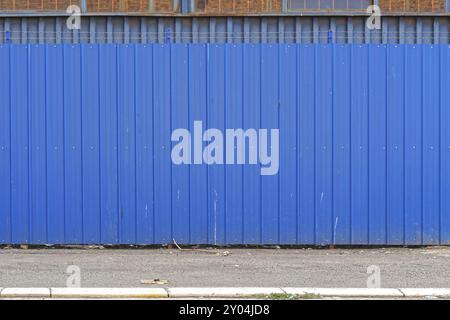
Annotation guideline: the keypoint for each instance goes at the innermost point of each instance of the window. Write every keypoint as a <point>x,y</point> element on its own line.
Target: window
<point>360,5</point>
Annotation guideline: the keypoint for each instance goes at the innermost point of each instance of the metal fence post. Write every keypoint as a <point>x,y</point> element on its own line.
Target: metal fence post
<point>330,36</point>
<point>168,35</point>
<point>7,36</point>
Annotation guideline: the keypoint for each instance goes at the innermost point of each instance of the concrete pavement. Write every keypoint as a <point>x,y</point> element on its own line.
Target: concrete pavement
<point>268,268</point>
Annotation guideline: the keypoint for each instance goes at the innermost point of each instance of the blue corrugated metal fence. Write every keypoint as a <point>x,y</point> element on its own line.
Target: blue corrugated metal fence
<point>85,138</point>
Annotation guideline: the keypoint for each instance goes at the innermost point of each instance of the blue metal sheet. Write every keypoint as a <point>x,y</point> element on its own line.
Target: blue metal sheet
<point>73,168</point>
<point>324,144</point>
<point>413,144</point>
<point>288,146</point>
<point>54,108</point>
<point>216,119</point>
<point>20,211</point>
<point>430,135</point>
<point>126,116</point>
<point>180,119</point>
<point>198,175</point>
<point>233,119</point>
<point>38,143</point>
<point>341,141</point>
<point>359,153</point>
<point>377,145</point>
<point>85,144</point>
<point>306,138</point>
<point>395,121</point>
<point>270,113</point>
<point>251,119</point>
<point>5,148</point>
<point>144,145</point>
<point>109,213</point>
<point>444,146</point>
<point>162,108</point>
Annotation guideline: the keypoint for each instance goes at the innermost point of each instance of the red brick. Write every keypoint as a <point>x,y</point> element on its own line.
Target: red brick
<point>412,5</point>
<point>203,6</point>
<point>238,6</point>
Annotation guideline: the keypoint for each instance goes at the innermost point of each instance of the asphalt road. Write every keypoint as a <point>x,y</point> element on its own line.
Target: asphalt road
<point>405,267</point>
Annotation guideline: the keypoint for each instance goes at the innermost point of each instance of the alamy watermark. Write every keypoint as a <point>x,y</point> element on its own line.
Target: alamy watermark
<point>74,277</point>
<point>374,21</point>
<point>374,279</point>
<point>191,149</point>
<point>74,20</point>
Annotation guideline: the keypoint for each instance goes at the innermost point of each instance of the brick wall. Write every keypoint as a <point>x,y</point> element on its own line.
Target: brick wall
<point>412,5</point>
<point>165,6</point>
<point>36,5</point>
<point>238,6</point>
<point>202,6</point>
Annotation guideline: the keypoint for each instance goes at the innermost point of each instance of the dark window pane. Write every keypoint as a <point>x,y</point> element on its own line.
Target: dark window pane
<point>360,5</point>
<point>312,4</point>
<point>297,4</point>
<point>326,4</point>
<point>341,4</point>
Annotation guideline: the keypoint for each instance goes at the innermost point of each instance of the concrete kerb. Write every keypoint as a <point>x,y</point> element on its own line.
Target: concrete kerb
<point>25,293</point>
<point>425,292</point>
<point>108,293</point>
<point>161,293</point>
<point>222,292</point>
<point>346,292</point>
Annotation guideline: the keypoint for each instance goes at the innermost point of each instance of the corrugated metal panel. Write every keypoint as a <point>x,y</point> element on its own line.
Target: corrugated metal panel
<point>85,139</point>
<point>287,29</point>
